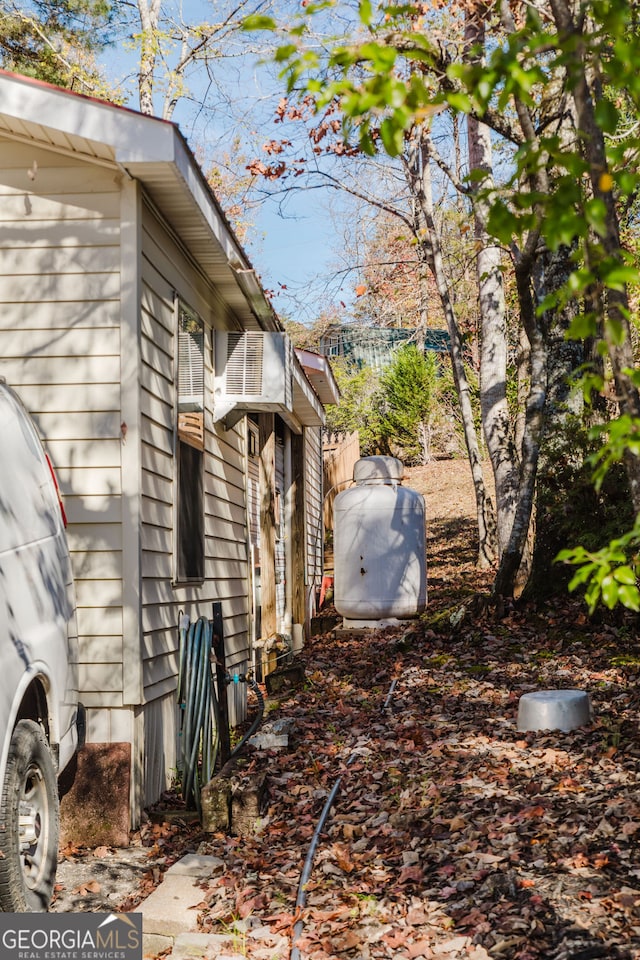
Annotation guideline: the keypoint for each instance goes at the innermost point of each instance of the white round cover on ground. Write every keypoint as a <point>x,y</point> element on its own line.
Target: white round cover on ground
<point>554,710</point>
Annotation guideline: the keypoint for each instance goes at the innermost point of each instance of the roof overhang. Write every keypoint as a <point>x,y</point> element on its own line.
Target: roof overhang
<point>153,152</point>
<point>318,370</point>
<point>307,406</point>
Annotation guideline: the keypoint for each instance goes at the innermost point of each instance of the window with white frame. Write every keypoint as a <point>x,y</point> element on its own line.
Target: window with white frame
<point>190,447</point>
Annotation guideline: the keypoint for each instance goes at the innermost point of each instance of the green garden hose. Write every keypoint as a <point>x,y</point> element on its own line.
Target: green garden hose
<point>198,702</point>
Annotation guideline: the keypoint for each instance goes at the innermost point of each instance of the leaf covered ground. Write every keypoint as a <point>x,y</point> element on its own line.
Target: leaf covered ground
<point>452,834</point>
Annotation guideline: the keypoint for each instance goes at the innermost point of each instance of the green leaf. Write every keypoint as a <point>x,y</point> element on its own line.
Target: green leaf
<point>258,21</point>
<point>619,276</point>
<point>582,326</point>
<point>624,575</point>
<point>590,384</point>
<point>629,596</point>
<point>595,211</point>
<point>285,53</point>
<point>581,576</point>
<point>382,58</point>
<point>580,280</point>
<point>607,116</point>
<point>365,12</point>
<point>366,142</point>
<point>502,223</point>
<point>459,101</point>
<point>610,591</point>
<point>392,137</point>
<point>627,181</point>
<point>615,330</point>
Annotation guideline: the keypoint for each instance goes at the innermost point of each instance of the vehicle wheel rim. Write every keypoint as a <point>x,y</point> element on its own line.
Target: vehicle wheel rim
<point>34,820</point>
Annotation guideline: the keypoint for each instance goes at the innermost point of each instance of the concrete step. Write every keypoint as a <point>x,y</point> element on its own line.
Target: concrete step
<point>170,920</point>
<point>171,910</point>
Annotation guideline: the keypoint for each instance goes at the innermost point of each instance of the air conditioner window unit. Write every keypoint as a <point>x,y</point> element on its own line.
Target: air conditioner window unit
<point>254,371</point>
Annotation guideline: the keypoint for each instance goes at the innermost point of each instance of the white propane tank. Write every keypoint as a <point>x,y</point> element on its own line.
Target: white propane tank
<point>379,544</point>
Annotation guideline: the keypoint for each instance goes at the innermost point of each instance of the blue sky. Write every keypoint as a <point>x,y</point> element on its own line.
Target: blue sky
<point>298,250</point>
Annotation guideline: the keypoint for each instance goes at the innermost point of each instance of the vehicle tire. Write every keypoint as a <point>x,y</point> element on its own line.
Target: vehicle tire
<point>29,823</point>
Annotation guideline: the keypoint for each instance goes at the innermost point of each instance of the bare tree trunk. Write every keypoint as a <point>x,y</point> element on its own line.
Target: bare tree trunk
<point>523,364</point>
<point>149,11</point>
<point>418,174</point>
<point>515,465</point>
<point>496,423</point>
<point>424,437</point>
<point>512,555</point>
<point>563,407</point>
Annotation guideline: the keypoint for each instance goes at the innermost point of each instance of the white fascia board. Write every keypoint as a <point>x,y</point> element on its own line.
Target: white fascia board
<point>318,368</point>
<point>201,193</point>
<point>306,403</point>
<point>191,175</point>
<point>128,133</point>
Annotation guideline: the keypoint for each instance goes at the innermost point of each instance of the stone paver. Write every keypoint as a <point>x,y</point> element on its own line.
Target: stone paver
<point>170,920</point>
<point>195,865</point>
<point>172,907</point>
<point>206,946</point>
<point>154,945</point>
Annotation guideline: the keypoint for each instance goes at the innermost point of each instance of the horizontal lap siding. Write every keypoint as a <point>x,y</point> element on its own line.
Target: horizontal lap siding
<point>313,509</point>
<point>165,270</point>
<point>60,348</point>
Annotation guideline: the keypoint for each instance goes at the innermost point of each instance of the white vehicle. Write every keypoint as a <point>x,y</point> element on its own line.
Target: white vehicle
<point>39,711</point>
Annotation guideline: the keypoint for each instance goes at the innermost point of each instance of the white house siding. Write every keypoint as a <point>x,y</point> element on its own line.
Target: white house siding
<point>281,546</point>
<point>314,527</point>
<point>82,280</point>
<point>166,270</point>
<point>60,348</point>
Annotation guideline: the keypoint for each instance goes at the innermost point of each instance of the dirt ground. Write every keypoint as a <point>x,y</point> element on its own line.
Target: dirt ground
<point>452,536</point>
<point>446,486</point>
<point>103,878</point>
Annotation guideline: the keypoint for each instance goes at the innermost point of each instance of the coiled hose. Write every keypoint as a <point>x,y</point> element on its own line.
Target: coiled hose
<point>199,731</point>
<point>198,701</point>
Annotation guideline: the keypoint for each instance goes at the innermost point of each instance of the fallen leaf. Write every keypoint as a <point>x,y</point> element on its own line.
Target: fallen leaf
<point>411,875</point>
<point>101,852</point>
<point>91,887</point>
<point>421,948</point>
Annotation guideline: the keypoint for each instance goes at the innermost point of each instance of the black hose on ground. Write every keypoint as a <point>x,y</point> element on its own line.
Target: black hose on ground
<point>301,899</point>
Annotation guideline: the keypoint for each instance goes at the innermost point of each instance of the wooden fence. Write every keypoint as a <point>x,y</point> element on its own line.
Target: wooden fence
<point>339,456</point>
